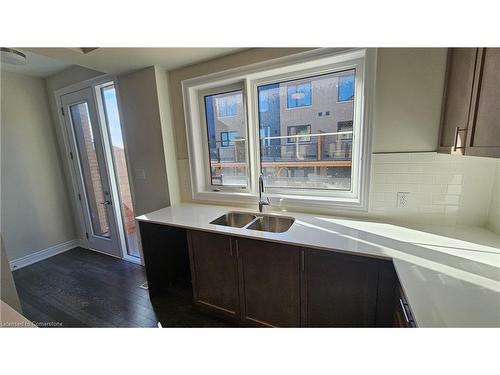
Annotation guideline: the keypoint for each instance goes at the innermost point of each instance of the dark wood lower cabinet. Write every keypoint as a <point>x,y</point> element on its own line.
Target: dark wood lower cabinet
<point>403,316</point>
<point>166,257</point>
<point>269,276</point>
<point>261,283</point>
<point>214,273</point>
<point>341,290</point>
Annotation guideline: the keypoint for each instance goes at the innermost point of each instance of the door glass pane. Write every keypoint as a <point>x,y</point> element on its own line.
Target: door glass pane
<point>80,119</point>
<point>310,122</point>
<point>120,164</point>
<point>226,129</point>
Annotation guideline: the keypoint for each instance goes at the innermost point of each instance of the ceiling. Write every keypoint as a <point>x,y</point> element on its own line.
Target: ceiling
<point>119,60</point>
<point>37,65</point>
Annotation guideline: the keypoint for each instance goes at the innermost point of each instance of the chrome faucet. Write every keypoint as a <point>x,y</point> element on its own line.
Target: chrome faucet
<point>262,202</point>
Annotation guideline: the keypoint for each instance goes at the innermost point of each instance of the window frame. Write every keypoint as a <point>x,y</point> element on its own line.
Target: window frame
<point>248,78</point>
<point>199,156</point>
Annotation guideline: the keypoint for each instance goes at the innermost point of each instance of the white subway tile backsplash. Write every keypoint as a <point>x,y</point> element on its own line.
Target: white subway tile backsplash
<point>431,208</point>
<point>380,205</point>
<point>391,199</point>
<point>407,187</point>
<point>423,198</point>
<point>448,178</point>
<point>423,157</point>
<point>445,199</point>
<point>378,197</point>
<point>451,209</point>
<point>397,178</point>
<point>379,178</point>
<point>421,178</point>
<point>436,184</point>
<point>454,189</point>
<point>429,188</point>
<point>383,188</point>
<point>399,168</point>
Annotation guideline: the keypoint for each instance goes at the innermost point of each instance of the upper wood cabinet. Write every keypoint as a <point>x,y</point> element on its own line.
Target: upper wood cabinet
<point>484,139</point>
<point>470,121</point>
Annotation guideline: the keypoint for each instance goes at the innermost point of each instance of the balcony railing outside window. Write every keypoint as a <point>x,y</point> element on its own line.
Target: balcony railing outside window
<point>322,163</point>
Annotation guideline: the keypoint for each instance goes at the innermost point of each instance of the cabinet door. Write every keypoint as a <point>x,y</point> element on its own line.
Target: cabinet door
<point>341,290</point>
<point>484,139</point>
<point>458,94</point>
<point>214,273</point>
<point>269,283</point>
<point>403,316</point>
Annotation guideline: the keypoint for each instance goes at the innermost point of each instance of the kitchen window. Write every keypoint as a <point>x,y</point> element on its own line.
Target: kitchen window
<point>226,148</point>
<point>316,156</point>
<point>240,125</point>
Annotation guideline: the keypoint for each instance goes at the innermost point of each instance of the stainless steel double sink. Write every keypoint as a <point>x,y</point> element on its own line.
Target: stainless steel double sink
<point>260,222</point>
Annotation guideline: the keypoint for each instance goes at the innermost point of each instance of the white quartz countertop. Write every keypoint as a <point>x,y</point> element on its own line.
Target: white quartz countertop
<point>451,276</point>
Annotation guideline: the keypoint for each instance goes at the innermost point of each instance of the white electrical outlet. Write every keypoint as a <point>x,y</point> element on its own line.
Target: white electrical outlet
<point>403,199</point>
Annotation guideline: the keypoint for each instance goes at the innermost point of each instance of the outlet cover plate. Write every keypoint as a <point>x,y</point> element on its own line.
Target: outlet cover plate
<point>403,199</point>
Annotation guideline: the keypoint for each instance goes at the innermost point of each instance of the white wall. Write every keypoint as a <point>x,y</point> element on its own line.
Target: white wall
<point>141,122</point>
<point>168,132</point>
<point>408,99</point>
<point>35,212</point>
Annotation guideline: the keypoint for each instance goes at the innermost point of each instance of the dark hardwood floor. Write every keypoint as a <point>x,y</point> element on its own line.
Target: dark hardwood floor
<point>83,288</point>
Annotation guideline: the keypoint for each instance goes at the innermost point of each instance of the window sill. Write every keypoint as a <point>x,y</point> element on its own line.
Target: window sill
<point>282,201</point>
<point>225,197</point>
<point>317,202</point>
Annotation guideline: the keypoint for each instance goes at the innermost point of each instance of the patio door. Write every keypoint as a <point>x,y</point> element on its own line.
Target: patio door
<point>92,172</point>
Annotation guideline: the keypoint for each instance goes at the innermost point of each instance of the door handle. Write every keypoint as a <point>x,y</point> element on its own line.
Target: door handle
<point>106,202</point>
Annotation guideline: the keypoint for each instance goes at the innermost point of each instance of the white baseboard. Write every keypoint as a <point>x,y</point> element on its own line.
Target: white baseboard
<point>24,261</point>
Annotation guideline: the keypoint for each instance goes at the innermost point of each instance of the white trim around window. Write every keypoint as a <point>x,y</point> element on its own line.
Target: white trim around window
<point>248,78</point>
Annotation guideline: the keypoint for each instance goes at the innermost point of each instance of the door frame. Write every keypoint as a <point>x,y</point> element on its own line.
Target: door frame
<point>108,244</point>
<point>95,84</point>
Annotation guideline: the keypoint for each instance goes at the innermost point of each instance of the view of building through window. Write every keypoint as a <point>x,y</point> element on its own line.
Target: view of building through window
<point>306,131</point>
<point>120,163</point>
<point>91,169</point>
<point>226,129</point>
